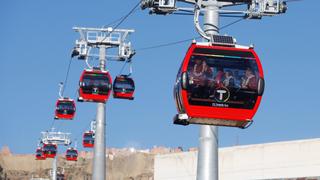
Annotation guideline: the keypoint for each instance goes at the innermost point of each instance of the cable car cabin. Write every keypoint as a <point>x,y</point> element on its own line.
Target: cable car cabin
<point>71,154</point>
<point>95,86</point>
<point>65,109</point>
<point>218,85</point>
<point>39,154</point>
<point>88,139</point>
<point>123,87</point>
<point>50,150</point>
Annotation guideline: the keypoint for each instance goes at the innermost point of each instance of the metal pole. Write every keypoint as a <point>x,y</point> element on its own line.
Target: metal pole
<point>54,168</point>
<point>99,159</point>
<point>208,158</point>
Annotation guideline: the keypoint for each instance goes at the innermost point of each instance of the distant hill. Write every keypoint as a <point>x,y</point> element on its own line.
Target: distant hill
<point>122,165</point>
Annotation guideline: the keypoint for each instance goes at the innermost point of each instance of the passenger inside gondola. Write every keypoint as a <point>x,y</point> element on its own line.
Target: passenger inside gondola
<point>50,148</point>
<point>228,79</point>
<point>249,81</point>
<point>219,78</point>
<point>95,84</point>
<point>39,154</point>
<point>200,77</point>
<point>88,138</point>
<point>124,84</point>
<point>65,107</point>
<point>199,72</point>
<point>215,79</point>
<point>71,153</point>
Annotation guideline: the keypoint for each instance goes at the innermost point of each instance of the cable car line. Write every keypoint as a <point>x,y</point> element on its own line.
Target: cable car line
<point>58,126</point>
<point>66,78</point>
<point>232,23</point>
<point>117,20</point>
<point>185,40</point>
<point>168,44</point>
<point>124,65</point>
<point>52,124</point>
<point>127,15</point>
<point>122,20</point>
<point>292,0</point>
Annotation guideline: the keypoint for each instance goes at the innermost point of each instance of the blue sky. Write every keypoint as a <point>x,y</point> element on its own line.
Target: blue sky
<point>37,37</point>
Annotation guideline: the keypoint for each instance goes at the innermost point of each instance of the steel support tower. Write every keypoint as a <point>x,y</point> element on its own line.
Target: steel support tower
<point>99,157</point>
<point>102,38</point>
<point>208,159</point>
<point>58,138</point>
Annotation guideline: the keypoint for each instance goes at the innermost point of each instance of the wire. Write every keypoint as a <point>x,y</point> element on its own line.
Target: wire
<point>183,13</point>
<point>126,16</point>
<point>185,40</point>
<point>66,78</point>
<point>232,23</point>
<point>75,94</point>
<point>122,20</point>
<point>58,126</point>
<point>292,0</point>
<point>167,44</point>
<point>117,20</point>
<point>123,66</point>
<point>52,124</point>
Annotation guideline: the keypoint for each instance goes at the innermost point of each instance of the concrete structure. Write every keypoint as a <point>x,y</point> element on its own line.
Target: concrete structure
<point>280,160</point>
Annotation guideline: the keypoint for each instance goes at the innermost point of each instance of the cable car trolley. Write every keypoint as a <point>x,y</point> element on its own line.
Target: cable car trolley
<point>95,85</point>
<point>50,150</point>
<point>65,108</point>
<point>40,154</point>
<point>218,83</point>
<point>88,139</point>
<point>71,154</point>
<point>123,87</point>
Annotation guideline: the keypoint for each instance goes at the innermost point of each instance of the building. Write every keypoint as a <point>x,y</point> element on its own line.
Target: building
<point>290,160</point>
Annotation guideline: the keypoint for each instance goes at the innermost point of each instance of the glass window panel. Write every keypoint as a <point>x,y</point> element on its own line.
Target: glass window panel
<point>124,84</point>
<point>220,78</point>
<point>96,84</point>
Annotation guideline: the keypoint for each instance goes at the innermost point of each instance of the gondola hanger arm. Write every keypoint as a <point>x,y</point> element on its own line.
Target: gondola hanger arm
<point>130,68</point>
<point>87,63</point>
<point>61,90</point>
<point>197,23</point>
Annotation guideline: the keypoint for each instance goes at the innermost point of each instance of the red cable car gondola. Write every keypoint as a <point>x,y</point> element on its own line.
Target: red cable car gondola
<point>95,85</point>
<point>88,139</point>
<point>218,85</point>
<point>123,87</point>
<point>49,150</point>
<point>40,154</point>
<point>65,108</point>
<point>71,154</point>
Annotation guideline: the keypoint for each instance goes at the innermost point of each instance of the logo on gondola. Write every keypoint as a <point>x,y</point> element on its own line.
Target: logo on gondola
<point>221,94</point>
<point>95,90</point>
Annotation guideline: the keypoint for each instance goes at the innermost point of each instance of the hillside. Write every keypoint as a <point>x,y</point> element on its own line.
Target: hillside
<point>122,165</point>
